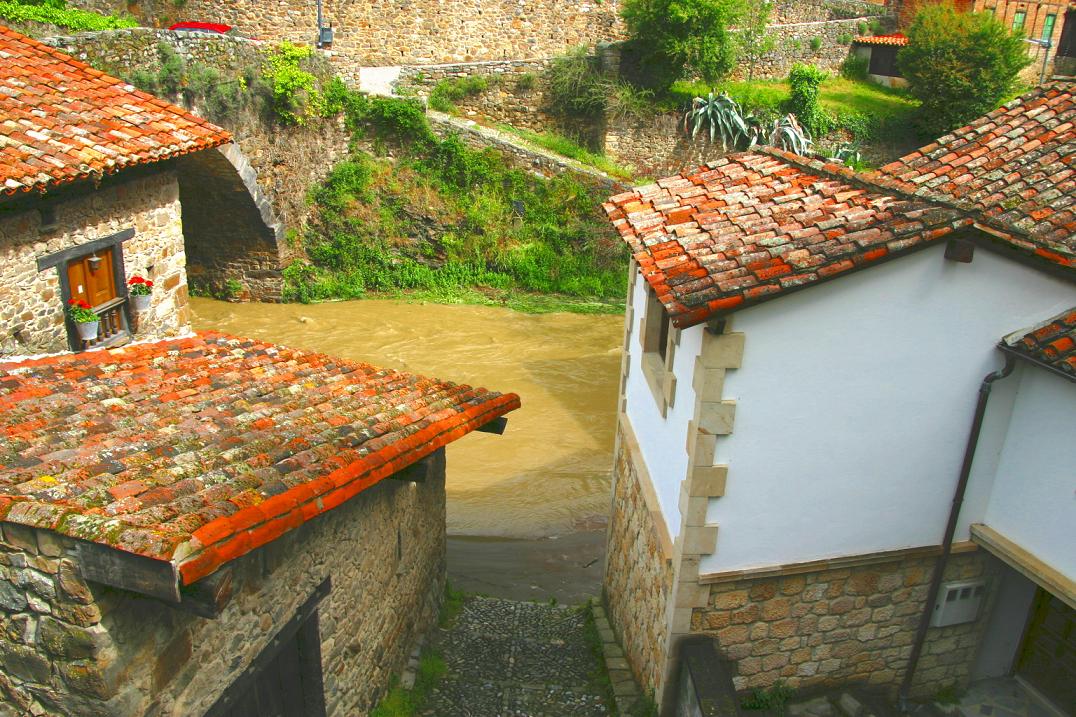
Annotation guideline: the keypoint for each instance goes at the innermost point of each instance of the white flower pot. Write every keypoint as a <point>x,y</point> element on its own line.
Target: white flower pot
<point>141,302</point>
<point>87,331</point>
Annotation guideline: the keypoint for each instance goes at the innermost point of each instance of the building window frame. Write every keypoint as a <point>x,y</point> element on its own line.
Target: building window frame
<point>120,306</point>
<point>1019,19</point>
<point>659,340</point>
<point>1049,24</point>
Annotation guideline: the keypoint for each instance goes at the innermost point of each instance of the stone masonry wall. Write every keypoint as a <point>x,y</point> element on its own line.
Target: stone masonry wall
<point>831,627</point>
<point>658,146</point>
<point>385,32</point>
<point>793,45</point>
<point>31,300</point>
<point>638,580</point>
<point>72,648</point>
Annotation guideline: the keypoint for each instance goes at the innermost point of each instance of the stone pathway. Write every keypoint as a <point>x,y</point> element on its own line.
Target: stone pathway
<point>517,659</point>
<point>1000,698</point>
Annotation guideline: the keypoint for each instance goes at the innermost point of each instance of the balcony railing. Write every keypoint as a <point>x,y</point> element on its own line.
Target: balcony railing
<point>112,329</point>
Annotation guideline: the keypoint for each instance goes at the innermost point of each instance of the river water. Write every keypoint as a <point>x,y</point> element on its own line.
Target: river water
<point>549,473</point>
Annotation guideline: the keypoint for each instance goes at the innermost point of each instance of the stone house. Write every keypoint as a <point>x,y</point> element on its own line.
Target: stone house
<point>190,524</point>
<point>804,347</point>
<point>880,52</point>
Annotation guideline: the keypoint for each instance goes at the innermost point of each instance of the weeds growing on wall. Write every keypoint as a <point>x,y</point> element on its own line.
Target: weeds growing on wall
<point>420,213</point>
<point>448,92</point>
<point>56,12</point>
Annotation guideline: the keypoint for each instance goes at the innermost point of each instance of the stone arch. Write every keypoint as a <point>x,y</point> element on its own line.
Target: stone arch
<point>232,236</point>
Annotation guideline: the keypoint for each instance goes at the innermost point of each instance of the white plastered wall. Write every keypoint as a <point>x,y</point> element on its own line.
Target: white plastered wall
<point>662,441</point>
<point>1033,496</point>
<point>853,406</point>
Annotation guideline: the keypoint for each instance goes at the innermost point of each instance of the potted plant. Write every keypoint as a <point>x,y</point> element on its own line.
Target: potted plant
<point>140,290</point>
<point>86,320</point>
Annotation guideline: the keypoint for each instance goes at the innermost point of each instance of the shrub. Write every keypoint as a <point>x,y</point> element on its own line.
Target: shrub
<point>754,36</point>
<point>449,91</point>
<point>855,68</point>
<point>816,44</point>
<point>844,39</point>
<point>576,84</point>
<point>960,65</point>
<point>56,12</point>
<point>723,115</point>
<point>862,28</point>
<point>526,82</point>
<point>805,81</point>
<point>294,90</point>
<point>677,38</point>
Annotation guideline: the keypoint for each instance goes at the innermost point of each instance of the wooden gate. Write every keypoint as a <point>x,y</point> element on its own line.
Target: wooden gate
<point>1048,656</point>
<point>285,680</point>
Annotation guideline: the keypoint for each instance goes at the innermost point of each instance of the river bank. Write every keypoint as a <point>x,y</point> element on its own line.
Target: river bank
<point>517,503</point>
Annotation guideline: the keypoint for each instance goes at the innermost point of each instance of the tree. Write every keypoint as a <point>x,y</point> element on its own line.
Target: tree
<point>960,65</point>
<point>755,38</point>
<point>679,38</point>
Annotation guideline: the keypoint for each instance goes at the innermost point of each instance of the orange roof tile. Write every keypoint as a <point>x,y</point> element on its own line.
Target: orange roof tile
<point>1051,344</point>
<point>62,120</point>
<point>897,39</point>
<point>1013,170</point>
<point>753,225</point>
<point>195,451</point>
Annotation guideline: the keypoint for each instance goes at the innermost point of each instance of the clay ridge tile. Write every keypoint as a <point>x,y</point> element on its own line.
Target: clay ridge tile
<point>197,450</point>
<point>1051,343</point>
<point>60,103</point>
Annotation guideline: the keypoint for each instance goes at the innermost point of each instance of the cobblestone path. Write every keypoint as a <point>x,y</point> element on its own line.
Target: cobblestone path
<point>516,659</point>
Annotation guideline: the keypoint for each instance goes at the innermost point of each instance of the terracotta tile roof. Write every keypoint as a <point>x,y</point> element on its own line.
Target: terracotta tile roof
<point>1013,170</point>
<point>62,120</point>
<point>1052,343</point>
<point>753,225</point>
<point>897,39</point>
<point>198,450</point>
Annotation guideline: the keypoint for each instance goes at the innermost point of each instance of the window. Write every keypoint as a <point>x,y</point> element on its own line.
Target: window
<point>93,272</point>
<point>659,340</point>
<point>1018,21</point>
<point>1048,27</point>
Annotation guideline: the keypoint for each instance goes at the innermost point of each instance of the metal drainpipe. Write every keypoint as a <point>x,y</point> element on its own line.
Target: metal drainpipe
<point>950,528</point>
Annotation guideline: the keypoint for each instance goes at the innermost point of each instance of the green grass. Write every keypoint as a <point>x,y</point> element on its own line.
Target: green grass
<point>56,12</point>
<point>430,219</point>
<point>567,147</point>
<point>448,92</point>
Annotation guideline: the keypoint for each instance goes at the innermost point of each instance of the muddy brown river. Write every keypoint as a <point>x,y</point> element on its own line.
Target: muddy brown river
<point>549,473</point>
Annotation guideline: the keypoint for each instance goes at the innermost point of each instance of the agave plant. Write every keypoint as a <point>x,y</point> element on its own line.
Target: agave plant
<point>723,115</point>
<point>848,155</point>
<point>786,133</point>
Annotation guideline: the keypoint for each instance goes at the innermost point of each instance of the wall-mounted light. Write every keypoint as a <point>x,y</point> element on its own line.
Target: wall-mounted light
<point>94,262</point>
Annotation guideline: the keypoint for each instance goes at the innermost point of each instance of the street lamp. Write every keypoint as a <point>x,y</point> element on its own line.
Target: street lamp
<point>1046,45</point>
<point>325,32</point>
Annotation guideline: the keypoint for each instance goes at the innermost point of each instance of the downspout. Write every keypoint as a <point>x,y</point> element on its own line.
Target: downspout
<point>950,528</point>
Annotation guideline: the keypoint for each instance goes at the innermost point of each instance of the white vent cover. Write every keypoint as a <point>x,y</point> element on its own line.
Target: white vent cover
<point>958,603</point>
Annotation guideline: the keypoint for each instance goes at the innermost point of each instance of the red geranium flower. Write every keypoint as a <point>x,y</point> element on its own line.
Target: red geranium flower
<point>136,280</point>
<point>72,301</point>
<point>149,284</point>
<point>82,304</point>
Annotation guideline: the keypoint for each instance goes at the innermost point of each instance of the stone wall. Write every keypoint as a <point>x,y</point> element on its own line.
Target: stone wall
<point>384,32</point>
<point>515,94</point>
<point>72,648</point>
<point>839,626</point>
<point>638,578</point>
<point>793,45</point>
<point>518,154</point>
<point>658,146</point>
<point>31,307</point>
<point>790,11</point>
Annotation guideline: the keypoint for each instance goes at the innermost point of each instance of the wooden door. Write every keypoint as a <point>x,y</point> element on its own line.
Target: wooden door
<point>1048,657</point>
<point>92,279</point>
<point>278,690</point>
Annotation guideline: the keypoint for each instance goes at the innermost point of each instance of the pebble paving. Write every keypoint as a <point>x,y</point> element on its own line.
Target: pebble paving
<point>516,659</point>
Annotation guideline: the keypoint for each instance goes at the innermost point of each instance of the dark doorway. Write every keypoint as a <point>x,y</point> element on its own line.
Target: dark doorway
<point>285,680</point>
<point>1048,657</point>
<point>1066,46</point>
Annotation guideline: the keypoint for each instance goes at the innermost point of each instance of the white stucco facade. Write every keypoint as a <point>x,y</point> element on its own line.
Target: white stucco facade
<point>1033,497</point>
<point>853,405</point>
<point>662,440</point>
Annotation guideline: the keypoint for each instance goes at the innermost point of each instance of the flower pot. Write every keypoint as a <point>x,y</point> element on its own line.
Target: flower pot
<point>87,331</point>
<point>141,302</point>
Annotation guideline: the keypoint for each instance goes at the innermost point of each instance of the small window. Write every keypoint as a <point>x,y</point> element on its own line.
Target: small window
<point>1018,21</point>
<point>1048,27</point>
<point>659,340</point>
<point>48,218</point>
